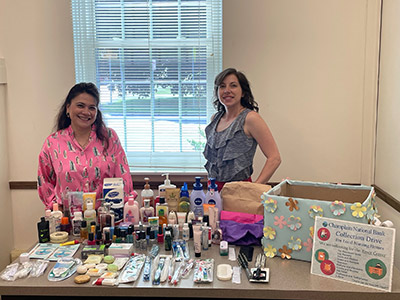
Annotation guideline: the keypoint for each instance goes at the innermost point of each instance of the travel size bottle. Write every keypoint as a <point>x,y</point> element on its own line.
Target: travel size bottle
<point>146,212</point>
<point>77,223</point>
<point>84,231</point>
<point>213,197</point>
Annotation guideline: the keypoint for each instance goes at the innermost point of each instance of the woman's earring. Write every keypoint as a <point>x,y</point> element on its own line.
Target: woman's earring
<point>67,114</point>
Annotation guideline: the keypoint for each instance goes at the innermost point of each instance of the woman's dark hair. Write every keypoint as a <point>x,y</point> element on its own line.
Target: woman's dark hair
<point>63,121</point>
<point>247,99</point>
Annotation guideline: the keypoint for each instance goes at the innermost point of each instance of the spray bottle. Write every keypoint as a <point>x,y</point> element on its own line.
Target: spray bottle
<point>197,198</point>
<point>213,197</point>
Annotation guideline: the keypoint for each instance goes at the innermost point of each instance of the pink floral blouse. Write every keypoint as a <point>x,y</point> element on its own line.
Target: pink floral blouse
<point>64,166</point>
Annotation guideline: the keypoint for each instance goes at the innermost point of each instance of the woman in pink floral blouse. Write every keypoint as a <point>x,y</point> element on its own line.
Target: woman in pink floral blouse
<point>82,151</point>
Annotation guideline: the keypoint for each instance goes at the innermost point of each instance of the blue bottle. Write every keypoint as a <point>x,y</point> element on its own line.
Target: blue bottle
<point>213,196</point>
<point>197,198</point>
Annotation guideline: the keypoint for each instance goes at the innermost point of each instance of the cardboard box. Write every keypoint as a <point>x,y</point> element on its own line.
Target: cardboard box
<point>291,206</point>
<point>124,249</point>
<point>95,249</point>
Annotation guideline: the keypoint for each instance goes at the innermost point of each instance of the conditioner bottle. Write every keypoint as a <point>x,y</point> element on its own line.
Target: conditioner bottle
<point>197,198</point>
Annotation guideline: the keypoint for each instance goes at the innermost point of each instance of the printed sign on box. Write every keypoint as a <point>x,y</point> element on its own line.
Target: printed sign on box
<point>353,252</point>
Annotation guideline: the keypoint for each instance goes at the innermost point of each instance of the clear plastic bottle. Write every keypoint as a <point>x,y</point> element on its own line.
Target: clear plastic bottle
<point>77,223</point>
<point>57,215</point>
<point>90,213</point>
<point>146,212</point>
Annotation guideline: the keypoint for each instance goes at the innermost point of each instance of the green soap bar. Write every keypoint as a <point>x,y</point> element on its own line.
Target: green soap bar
<point>112,268</point>
<point>109,259</point>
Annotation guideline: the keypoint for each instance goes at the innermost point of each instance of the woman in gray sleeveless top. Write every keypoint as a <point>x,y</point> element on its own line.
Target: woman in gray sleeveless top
<point>234,132</point>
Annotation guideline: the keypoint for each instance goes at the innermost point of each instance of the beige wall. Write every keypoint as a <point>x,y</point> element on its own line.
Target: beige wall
<point>37,44</point>
<point>387,172</point>
<point>6,221</point>
<point>312,66</point>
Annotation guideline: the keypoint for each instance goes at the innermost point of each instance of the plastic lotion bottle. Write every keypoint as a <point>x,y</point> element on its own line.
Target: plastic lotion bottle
<point>184,201</point>
<point>90,213</point>
<point>147,193</point>
<point>131,211</point>
<point>146,211</point>
<point>197,198</point>
<point>57,215</point>
<point>212,196</point>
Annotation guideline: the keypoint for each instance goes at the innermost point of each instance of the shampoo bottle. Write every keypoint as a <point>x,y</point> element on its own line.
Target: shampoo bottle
<point>131,211</point>
<point>213,197</point>
<point>197,198</point>
<point>43,231</point>
<point>77,223</point>
<point>147,193</point>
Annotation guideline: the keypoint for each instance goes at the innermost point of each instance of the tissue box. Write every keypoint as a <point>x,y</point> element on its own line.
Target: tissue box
<point>290,209</point>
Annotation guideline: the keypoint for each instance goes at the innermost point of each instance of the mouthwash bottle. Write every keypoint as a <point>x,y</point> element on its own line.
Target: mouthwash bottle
<point>197,198</point>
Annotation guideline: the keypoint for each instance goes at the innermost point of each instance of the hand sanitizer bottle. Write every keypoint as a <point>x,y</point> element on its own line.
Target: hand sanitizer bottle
<point>213,197</point>
<point>197,198</point>
<point>146,212</point>
<point>131,211</point>
<point>89,214</point>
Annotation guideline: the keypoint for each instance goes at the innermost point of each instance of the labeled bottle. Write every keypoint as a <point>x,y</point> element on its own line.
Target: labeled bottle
<point>77,223</point>
<point>197,198</point>
<point>131,211</point>
<point>162,212</point>
<point>50,218</point>
<point>213,197</point>
<point>43,230</point>
<point>146,212</point>
<point>168,241</point>
<point>84,231</point>
<point>162,188</point>
<point>217,235</point>
<point>185,232</point>
<point>90,214</point>
<point>147,193</point>
<point>184,200</point>
<point>65,226</point>
<point>57,215</point>
<point>107,218</point>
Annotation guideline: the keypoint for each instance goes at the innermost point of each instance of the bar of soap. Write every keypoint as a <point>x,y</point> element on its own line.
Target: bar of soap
<point>224,272</point>
<point>109,259</point>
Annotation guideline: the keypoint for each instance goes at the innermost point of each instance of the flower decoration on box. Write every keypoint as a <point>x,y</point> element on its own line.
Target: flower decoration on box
<point>338,208</point>
<point>292,204</point>
<point>294,244</point>
<point>269,232</point>
<point>280,221</point>
<point>294,223</point>
<point>315,210</point>
<point>285,252</point>
<point>312,232</point>
<point>308,244</point>
<point>270,205</point>
<point>358,210</point>
<point>270,251</point>
<point>371,211</point>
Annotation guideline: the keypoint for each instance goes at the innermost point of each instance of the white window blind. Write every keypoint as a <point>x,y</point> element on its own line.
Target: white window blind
<point>154,62</point>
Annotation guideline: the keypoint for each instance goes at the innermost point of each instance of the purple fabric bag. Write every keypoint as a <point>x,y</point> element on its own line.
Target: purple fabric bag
<point>241,233</point>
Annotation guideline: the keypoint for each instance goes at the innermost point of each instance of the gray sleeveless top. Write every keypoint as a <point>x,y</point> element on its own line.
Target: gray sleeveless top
<point>229,153</point>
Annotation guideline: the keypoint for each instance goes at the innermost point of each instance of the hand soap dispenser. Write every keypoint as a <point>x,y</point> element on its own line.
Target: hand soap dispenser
<point>213,197</point>
<point>147,193</point>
